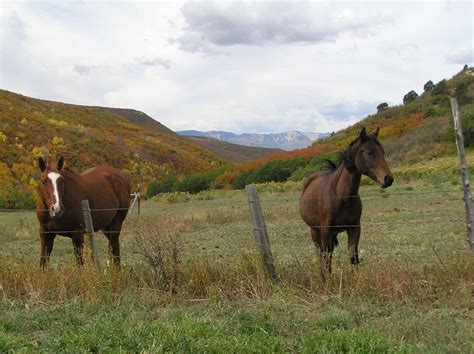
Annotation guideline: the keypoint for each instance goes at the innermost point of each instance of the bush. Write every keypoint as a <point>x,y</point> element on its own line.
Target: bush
<point>243,178</point>
<point>428,86</point>
<point>410,97</point>
<point>318,163</point>
<point>272,171</point>
<point>461,93</point>
<point>164,186</point>
<point>198,182</point>
<point>467,122</point>
<point>382,107</point>
<point>278,170</point>
<point>16,198</point>
<point>440,89</point>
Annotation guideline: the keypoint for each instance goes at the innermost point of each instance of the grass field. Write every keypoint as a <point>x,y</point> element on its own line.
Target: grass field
<point>202,287</point>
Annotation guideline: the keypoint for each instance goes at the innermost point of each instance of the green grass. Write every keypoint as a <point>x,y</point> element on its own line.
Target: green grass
<point>412,291</point>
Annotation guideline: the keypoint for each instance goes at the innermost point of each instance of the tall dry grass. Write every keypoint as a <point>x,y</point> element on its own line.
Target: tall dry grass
<point>382,281</point>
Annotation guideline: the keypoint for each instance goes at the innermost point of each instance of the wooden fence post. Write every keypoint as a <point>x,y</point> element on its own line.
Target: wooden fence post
<point>260,230</point>
<point>86,210</point>
<point>135,202</point>
<point>138,203</point>
<point>464,172</point>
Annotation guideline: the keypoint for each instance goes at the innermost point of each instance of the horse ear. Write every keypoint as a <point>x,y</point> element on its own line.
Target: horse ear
<point>376,133</point>
<point>41,164</point>
<point>363,134</point>
<point>60,163</point>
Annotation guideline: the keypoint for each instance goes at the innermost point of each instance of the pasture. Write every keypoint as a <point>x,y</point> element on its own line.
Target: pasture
<point>192,280</point>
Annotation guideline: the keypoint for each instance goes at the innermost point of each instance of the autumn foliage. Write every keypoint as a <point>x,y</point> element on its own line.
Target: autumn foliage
<point>86,136</point>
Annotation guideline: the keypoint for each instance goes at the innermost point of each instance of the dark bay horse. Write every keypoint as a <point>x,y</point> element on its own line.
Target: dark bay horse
<point>59,208</point>
<point>330,201</point>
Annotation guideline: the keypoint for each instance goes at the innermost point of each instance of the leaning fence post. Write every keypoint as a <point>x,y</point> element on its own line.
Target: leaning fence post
<point>86,210</point>
<point>464,172</point>
<point>260,230</point>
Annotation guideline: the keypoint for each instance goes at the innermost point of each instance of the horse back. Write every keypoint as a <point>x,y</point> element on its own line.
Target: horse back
<point>107,184</point>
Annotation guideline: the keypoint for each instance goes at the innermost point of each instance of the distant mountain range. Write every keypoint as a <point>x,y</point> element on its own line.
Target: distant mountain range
<point>285,141</point>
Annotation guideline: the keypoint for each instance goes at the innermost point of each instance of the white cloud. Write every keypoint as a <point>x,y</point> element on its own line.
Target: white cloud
<point>462,55</point>
<point>311,66</point>
<point>219,24</point>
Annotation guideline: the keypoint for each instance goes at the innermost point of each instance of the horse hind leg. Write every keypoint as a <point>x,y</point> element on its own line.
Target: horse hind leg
<point>316,236</point>
<point>112,232</point>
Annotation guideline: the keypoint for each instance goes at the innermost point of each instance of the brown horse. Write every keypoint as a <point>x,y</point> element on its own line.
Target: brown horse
<point>59,208</point>
<point>330,201</point>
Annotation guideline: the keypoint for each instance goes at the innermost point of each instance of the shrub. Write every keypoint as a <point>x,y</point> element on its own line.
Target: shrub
<point>197,182</point>
<point>318,163</point>
<point>460,92</point>
<point>410,97</point>
<point>428,86</point>
<point>163,186</point>
<point>467,122</point>
<point>272,171</point>
<point>244,178</point>
<point>278,170</point>
<point>440,89</point>
<point>382,107</point>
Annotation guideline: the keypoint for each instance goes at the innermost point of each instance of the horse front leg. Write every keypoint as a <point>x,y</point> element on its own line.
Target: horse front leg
<point>327,246</point>
<point>78,244</point>
<point>47,241</point>
<point>353,244</point>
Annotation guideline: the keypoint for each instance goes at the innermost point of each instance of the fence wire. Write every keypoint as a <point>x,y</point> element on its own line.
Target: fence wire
<point>236,238</point>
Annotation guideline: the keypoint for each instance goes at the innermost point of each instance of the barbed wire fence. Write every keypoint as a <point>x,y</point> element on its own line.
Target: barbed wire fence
<point>220,229</point>
<point>237,239</point>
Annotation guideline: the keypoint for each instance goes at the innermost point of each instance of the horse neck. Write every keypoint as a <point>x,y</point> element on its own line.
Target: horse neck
<point>72,184</point>
<point>348,182</point>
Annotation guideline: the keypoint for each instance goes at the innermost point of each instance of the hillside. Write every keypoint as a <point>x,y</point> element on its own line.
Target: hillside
<point>232,152</point>
<point>141,119</point>
<point>421,129</point>
<point>86,136</point>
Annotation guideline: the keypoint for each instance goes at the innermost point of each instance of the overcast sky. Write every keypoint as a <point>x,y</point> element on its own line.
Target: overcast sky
<point>235,66</point>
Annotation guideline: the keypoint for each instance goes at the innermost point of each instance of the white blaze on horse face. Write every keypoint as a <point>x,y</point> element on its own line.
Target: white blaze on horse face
<point>53,176</point>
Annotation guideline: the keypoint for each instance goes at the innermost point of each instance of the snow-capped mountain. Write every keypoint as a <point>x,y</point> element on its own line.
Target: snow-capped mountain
<point>286,140</point>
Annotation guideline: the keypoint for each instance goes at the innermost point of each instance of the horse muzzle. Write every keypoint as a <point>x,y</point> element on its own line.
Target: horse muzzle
<point>56,213</point>
<point>388,181</point>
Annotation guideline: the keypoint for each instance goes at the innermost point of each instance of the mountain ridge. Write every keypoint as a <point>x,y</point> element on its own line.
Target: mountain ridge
<point>290,140</point>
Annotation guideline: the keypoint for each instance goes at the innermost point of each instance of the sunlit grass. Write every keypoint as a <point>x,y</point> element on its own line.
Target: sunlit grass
<point>412,291</point>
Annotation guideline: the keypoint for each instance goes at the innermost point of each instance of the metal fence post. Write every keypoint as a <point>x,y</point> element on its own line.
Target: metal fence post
<point>260,230</point>
<point>86,210</point>
<point>464,172</point>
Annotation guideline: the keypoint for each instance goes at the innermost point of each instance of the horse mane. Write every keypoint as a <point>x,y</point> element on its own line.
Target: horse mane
<point>345,158</point>
<point>331,165</point>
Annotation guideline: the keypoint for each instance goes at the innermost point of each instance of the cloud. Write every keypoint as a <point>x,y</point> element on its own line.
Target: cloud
<point>157,61</point>
<point>342,111</point>
<point>464,55</point>
<point>84,70</point>
<point>213,24</point>
<point>13,37</point>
